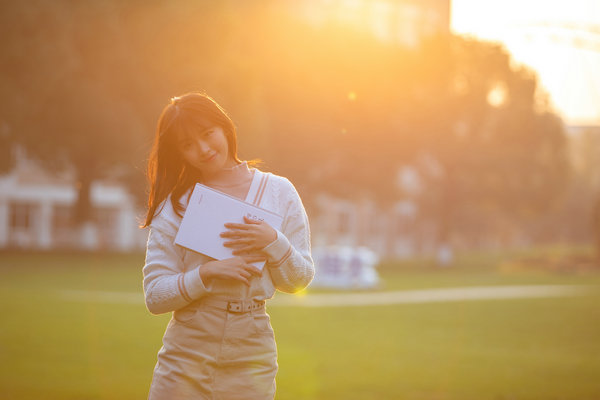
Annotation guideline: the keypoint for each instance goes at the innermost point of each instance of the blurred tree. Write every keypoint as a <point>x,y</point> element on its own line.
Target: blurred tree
<point>83,83</point>
<point>500,151</point>
<point>345,112</point>
<point>333,109</point>
<point>68,84</point>
<point>334,101</point>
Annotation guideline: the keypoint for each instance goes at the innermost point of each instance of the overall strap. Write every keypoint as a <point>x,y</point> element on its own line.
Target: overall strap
<point>257,189</point>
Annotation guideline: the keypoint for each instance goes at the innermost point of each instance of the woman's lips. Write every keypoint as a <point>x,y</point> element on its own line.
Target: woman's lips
<point>211,158</point>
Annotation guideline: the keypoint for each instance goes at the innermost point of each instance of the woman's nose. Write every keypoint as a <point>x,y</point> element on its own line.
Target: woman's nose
<point>202,147</point>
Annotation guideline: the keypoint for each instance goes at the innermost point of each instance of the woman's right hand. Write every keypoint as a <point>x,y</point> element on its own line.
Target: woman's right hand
<point>236,268</point>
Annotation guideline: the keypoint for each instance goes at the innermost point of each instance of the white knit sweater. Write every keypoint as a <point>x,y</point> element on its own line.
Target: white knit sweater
<point>171,275</point>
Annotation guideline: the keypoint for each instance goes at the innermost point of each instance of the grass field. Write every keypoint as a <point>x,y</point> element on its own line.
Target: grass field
<point>53,347</point>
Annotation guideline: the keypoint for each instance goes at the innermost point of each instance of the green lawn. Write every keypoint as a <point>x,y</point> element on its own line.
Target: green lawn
<point>546,348</point>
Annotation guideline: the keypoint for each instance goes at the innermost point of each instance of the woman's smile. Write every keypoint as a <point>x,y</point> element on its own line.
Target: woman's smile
<point>210,158</point>
<point>206,150</point>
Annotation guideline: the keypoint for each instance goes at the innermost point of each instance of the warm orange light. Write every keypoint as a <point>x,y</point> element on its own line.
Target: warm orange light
<point>543,36</point>
<point>497,96</point>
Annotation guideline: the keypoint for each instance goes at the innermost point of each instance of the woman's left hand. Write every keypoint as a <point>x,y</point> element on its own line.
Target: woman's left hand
<point>250,237</point>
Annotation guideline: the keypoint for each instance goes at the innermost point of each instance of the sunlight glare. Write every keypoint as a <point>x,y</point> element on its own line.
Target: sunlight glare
<point>545,36</point>
<point>497,96</point>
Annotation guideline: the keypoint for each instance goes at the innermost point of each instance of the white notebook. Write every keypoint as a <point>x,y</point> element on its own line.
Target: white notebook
<point>205,217</point>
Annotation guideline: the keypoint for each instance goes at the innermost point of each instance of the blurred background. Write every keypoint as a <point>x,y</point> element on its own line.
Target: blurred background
<point>442,143</point>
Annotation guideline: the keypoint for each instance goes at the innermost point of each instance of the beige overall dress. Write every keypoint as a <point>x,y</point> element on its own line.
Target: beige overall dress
<point>220,346</point>
<point>211,353</point>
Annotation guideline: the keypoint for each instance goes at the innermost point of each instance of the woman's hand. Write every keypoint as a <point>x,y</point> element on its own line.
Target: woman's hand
<point>236,268</point>
<point>249,238</point>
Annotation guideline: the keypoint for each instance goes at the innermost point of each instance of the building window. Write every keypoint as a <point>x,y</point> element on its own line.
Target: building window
<point>21,216</point>
<point>107,223</point>
<point>373,224</point>
<point>62,217</point>
<point>400,226</point>
<point>343,223</point>
<point>404,226</point>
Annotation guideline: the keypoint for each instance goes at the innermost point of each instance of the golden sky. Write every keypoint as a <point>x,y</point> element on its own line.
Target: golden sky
<point>559,39</point>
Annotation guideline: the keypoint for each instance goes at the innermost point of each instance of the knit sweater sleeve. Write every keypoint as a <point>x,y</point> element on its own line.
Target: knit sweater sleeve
<point>288,258</point>
<point>167,284</point>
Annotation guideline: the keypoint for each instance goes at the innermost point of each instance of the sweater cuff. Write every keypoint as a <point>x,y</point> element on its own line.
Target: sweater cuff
<point>278,251</point>
<point>192,285</point>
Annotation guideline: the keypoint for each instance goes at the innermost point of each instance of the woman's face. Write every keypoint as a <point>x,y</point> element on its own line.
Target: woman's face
<point>206,150</point>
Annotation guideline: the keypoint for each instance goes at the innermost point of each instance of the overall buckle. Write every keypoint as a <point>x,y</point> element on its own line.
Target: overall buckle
<point>235,306</point>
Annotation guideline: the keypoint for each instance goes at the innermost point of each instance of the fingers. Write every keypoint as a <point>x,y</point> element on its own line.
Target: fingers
<point>247,221</point>
<point>243,227</point>
<point>238,242</point>
<point>234,234</point>
<point>256,271</point>
<point>244,263</point>
<point>247,273</point>
<point>251,269</point>
<point>242,279</point>
<point>251,221</point>
<point>242,273</point>
<point>236,268</point>
<point>239,235</point>
<point>249,251</point>
<point>249,225</point>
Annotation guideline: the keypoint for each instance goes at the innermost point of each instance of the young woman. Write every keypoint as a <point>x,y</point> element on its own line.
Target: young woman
<point>219,343</point>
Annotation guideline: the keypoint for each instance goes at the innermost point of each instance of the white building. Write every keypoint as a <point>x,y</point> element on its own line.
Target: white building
<point>36,209</point>
<point>394,232</point>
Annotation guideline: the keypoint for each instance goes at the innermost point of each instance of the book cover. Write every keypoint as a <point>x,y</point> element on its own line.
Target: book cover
<point>205,217</point>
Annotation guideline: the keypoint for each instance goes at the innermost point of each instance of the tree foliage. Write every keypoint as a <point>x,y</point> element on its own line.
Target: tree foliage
<point>330,107</point>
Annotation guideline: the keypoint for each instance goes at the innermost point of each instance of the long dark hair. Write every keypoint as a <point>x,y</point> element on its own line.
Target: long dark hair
<point>167,172</point>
